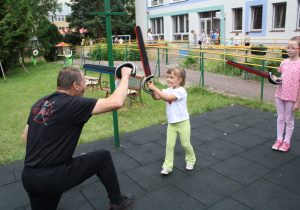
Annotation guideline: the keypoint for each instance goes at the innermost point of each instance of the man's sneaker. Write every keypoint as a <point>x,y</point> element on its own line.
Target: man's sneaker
<point>165,171</point>
<point>128,201</point>
<point>277,145</point>
<point>189,166</point>
<point>284,147</point>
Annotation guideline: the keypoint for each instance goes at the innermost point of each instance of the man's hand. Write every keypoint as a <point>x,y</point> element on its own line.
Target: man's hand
<point>126,71</point>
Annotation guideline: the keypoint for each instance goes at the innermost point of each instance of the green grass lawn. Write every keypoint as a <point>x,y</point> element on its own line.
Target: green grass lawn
<point>20,90</point>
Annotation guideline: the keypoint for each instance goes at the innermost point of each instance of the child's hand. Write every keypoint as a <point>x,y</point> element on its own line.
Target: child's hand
<point>296,107</point>
<point>274,78</point>
<point>150,84</point>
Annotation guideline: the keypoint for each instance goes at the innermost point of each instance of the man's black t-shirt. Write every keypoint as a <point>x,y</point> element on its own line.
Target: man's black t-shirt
<point>55,124</point>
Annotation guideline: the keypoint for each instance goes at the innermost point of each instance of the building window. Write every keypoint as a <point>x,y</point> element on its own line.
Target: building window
<point>156,2</point>
<point>67,7</point>
<point>298,19</point>
<point>208,21</point>
<point>59,18</point>
<point>157,26</point>
<point>180,27</point>
<point>256,18</point>
<point>279,14</point>
<point>51,18</point>
<point>237,19</point>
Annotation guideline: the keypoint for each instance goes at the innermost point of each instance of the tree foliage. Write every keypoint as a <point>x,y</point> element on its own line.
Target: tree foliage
<point>18,18</point>
<point>48,35</point>
<point>95,24</point>
<point>16,23</point>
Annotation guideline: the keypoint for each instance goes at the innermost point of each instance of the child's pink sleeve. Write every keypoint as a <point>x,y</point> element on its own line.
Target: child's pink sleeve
<point>280,67</point>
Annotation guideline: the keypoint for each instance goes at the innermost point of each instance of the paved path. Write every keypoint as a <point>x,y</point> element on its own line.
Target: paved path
<point>235,169</point>
<point>234,86</point>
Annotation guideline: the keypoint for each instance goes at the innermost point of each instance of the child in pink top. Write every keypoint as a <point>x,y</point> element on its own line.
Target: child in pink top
<point>288,95</point>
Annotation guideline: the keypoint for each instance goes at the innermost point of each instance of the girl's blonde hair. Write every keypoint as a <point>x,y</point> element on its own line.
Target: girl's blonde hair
<point>179,72</point>
<point>297,39</point>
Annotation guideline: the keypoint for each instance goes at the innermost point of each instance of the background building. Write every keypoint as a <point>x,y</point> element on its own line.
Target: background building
<point>265,20</point>
<point>59,18</point>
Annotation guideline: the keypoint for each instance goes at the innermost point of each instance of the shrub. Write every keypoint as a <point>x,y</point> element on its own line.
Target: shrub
<point>274,64</point>
<point>118,54</point>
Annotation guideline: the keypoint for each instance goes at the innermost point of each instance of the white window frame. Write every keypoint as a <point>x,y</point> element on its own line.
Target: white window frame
<point>157,33</point>
<point>234,18</point>
<point>253,16</point>
<point>154,3</point>
<point>51,18</point>
<point>182,31</point>
<point>66,6</point>
<point>298,18</point>
<point>59,18</point>
<point>175,1</point>
<point>275,15</point>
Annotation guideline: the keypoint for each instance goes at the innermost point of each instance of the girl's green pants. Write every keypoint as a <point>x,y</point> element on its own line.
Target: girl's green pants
<point>184,130</point>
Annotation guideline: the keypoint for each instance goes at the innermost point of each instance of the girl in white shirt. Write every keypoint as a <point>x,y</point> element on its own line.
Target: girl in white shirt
<point>178,118</point>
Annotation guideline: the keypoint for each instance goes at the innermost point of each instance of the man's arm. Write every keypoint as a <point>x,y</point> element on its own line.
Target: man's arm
<point>117,99</point>
<point>24,136</point>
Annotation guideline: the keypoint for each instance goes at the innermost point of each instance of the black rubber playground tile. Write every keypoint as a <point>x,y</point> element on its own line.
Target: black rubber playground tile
<point>296,162</point>
<point>264,130</point>
<point>144,137</point>
<point>296,132</point>
<point>123,162</point>
<point>220,149</point>
<point>241,170</point>
<point>11,172</point>
<point>149,177</point>
<point>261,114</point>
<point>68,198</point>
<point>266,195</point>
<point>146,153</point>
<point>234,110</point>
<point>169,198</point>
<point>247,119</point>
<point>267,157</point>
<point>286,176</point>
<point>161,128</point>
<point>206,133</point>
<point>199,121</point>
<point>202,161</point>
<point>215,116</point>
<point>227,126</point>
<point>96,195</point>
<point>227,204</point>
<point>208,187</point>
<point>244,139</point>
<point>16,198</point>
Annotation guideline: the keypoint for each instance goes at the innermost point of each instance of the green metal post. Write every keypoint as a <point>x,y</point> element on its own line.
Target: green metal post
<point>167,56</point>
<point>107,15</point>
<point>202,68</point>
<point>126,52</point>
<point>158,62</point>
<point>111,63</point>
<point>246,75</point>
<point>262,81</point>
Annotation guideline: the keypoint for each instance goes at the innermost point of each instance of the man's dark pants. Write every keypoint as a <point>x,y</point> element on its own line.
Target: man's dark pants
<point>46,185</point>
